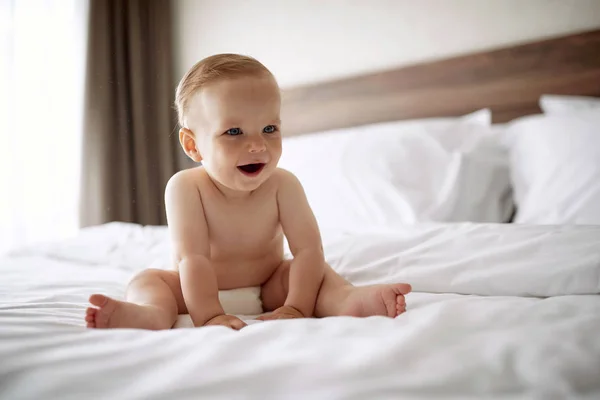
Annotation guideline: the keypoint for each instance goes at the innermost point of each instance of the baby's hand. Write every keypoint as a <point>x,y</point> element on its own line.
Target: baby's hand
<point>229,321</point>
<point>285,312</point>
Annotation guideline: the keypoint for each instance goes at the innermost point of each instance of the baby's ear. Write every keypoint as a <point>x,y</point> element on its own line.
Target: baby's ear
<point>187,139</point>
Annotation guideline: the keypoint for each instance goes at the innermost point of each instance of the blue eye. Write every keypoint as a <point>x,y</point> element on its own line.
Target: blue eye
<point>233,132</point>
<point>269,129</point>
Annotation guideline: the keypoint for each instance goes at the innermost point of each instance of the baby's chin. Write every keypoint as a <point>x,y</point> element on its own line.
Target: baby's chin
<point>249,183</point>
<point>240,182</point>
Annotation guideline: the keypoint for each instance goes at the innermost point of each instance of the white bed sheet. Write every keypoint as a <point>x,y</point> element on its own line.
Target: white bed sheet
<point>499,311</point>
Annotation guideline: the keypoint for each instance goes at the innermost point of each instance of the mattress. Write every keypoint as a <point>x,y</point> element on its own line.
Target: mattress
<point>498,311</point>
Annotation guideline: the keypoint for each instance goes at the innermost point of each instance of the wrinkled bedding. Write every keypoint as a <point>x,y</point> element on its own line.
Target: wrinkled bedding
<point>498,311</point>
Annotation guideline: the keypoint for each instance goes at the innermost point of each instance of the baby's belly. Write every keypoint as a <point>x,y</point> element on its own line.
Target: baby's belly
<point>234,274</point>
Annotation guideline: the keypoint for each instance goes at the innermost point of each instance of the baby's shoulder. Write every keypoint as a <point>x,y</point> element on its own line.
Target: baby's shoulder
<point>186,180</point>
<point>185,176</point>
<point>283,176</point>
<point>284,179</point>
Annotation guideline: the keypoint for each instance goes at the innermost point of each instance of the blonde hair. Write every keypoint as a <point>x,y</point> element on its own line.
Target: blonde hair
<point>211,69</point>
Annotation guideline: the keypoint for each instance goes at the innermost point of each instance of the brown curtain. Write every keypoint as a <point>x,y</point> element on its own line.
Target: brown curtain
<point>130,145</point>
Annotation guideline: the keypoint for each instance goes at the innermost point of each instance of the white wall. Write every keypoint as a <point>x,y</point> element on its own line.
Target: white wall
<point>306,41</point>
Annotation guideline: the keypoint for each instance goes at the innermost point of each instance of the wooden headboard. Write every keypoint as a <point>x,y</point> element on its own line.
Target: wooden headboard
<point>509,81</point>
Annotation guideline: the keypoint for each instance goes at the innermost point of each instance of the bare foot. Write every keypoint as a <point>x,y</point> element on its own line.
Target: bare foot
<point>385,300</point>
<point>111,313</point>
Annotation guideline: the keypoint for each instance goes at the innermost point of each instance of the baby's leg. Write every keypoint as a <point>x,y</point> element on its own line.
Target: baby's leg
<point>338,297</point>
<point>153,301</point>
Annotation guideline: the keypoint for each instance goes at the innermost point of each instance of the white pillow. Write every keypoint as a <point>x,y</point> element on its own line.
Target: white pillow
<point>385,175</point>
<point>560,104</point>
<point>555,168</point>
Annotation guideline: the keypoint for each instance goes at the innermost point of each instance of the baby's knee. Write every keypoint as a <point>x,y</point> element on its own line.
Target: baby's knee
<point>154,274</point>
<point>147,273</point>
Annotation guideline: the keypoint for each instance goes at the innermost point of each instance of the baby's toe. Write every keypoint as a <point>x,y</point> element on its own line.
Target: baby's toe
<point>400,305</point>
<point>400,300</point>
<point>90,317</point>
<point>99,300</point>
<point>103,314</point>
<point>402,288</point>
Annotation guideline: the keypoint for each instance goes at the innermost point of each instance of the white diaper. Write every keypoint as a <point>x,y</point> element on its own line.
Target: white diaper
<point>244,302</point>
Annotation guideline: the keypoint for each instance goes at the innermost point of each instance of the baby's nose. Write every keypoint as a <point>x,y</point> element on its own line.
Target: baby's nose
<point>257,145</point>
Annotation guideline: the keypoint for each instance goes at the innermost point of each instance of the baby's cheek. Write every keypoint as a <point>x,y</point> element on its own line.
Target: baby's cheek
<point>275,152</point>
<point>228,152</point>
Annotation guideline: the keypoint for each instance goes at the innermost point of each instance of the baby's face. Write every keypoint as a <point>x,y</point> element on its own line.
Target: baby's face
<point>236,125</point>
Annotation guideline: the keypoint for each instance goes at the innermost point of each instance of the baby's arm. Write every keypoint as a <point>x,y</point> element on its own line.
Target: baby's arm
<point>189,235</point>
<point>302,232</point>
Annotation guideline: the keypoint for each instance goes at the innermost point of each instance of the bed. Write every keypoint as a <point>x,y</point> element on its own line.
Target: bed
<point>504,305</point>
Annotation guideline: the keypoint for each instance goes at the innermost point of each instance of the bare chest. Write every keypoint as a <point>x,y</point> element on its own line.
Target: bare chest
<point>244,229</point>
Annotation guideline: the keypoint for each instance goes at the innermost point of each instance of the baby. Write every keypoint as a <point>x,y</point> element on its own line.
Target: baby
<point>227,217</point>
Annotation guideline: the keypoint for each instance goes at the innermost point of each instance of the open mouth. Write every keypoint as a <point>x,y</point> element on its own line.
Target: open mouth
<point>251,169</point>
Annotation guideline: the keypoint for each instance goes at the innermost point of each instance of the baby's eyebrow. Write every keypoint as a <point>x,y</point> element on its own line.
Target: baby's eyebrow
<point>228,124</point>
<point>232,123</point>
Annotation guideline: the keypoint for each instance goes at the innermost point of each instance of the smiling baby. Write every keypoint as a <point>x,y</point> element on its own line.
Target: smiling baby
<point>228,216</point>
